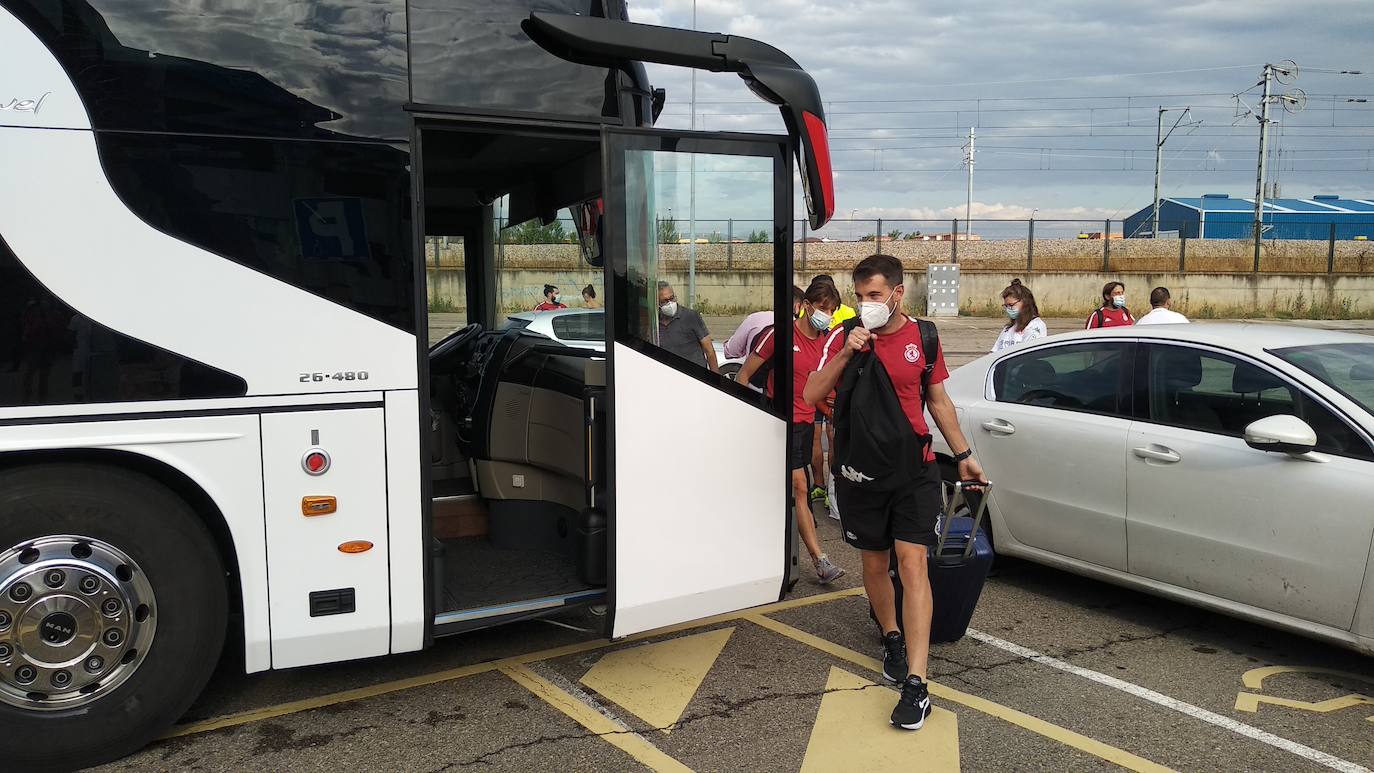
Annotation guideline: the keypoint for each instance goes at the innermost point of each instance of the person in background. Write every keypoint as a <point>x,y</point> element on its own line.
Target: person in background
<point>808,340</point>
<point>1023,317</point>
<point>683,332</point>
<point>589,298</point>
<point>823,488</point>
<point>1113,311</point>
<point>843,312</point>
<point>738,345</point>
<point>551,302</point>
<point>1160,313</point>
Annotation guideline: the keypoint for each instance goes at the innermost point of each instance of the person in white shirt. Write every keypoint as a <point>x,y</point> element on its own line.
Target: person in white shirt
<point>1160,313</point>
<point>1023,317</point>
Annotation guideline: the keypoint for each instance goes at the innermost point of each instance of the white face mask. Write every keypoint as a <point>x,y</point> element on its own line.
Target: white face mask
<point>875,314</point>
<point>668,309</point>
<point>1119,301</point>
<point>819,319</point>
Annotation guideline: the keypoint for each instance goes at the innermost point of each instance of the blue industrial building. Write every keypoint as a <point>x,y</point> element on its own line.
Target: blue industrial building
<point>1218,216</point>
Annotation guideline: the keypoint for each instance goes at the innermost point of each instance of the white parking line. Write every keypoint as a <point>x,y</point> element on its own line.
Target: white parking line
<point>1226,723</point>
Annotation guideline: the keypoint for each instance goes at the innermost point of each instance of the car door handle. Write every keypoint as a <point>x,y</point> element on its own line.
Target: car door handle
<point>1158,454</point>
<point>999,427</point>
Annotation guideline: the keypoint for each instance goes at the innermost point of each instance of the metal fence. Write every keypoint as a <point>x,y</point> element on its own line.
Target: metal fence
<point>1022,245</point>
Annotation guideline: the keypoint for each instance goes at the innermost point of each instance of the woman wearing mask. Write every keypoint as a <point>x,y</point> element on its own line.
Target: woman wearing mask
<point>1113,311</point>
<point>1023,317</point>
<point>818,306</point>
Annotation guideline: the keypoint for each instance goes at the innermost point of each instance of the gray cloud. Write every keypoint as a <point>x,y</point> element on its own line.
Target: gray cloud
<point>884,50</point>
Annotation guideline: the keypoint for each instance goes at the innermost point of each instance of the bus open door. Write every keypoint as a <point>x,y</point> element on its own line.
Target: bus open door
<point>697,489</point>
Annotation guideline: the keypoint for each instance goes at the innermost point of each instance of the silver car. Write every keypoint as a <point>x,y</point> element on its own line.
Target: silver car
<point>1230,466</point>
<point>586,329</point>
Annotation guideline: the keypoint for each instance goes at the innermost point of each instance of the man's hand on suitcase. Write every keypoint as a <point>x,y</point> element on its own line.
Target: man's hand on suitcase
<point>971,470</point>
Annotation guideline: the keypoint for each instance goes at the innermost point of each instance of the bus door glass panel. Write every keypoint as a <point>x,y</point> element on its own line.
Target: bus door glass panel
<point>699,515</point>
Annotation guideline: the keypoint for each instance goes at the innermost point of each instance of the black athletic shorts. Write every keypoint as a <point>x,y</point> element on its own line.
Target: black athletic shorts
<point>873,519</point>
<point>802,437</point>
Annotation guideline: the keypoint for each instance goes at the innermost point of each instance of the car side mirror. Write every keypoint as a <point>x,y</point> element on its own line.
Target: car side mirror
<point>1283,434</point>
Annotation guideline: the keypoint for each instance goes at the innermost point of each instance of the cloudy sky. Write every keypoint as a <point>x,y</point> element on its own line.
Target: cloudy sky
<point>1064,95</point>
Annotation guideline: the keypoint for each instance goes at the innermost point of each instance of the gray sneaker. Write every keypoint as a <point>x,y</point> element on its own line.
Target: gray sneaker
<point>827,572</point>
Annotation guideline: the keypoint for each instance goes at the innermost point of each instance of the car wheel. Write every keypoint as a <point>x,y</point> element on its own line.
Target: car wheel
<point>730,370</point>
<point>112,613</point>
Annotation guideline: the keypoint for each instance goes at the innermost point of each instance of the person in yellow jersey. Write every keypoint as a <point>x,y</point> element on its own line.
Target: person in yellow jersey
<point>823,490</point>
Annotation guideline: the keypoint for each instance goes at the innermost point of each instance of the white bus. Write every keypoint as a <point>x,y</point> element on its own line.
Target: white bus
<point>220,417</point>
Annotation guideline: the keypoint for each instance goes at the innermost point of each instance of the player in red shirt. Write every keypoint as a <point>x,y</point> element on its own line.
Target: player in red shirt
<point>551,302</point>
<point>818,305</point>
<point>1113,311</point>
<point>905,519</point>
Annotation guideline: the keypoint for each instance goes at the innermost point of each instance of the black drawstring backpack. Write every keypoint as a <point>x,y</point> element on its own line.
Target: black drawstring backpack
<point>876,448</point>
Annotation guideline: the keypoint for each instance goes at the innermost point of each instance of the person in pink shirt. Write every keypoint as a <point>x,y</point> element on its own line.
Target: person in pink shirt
<point>738,344</point>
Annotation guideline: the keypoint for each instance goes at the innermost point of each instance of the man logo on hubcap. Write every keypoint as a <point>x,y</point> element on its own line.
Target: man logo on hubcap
<point>58,628</point>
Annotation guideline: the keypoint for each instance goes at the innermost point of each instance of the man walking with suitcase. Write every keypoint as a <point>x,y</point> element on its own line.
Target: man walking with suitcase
<point>887,368</point>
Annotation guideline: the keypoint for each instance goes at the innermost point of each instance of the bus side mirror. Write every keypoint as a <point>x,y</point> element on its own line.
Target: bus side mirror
<point>587,217</point>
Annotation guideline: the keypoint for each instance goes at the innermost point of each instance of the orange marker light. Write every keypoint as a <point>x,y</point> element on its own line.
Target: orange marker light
<point>321,505</point>
<point>355,546</point>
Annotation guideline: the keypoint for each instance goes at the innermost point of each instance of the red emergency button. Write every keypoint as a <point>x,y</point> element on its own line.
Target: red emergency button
<point>315,461</point>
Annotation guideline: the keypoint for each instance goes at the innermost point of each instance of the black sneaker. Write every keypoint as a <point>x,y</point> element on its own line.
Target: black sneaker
<point>914,705</point>
<point>894,657</point>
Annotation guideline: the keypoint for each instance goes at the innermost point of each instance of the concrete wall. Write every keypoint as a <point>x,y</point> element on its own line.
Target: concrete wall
<point>1062,293</point>
<point>1202,295</point>
<point>1134,255</point>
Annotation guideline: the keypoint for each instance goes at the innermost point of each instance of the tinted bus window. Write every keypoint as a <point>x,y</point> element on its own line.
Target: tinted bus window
<point>473,53</point>
<point>50,355</point>
<point>323,71</point>
<point>330,218</point>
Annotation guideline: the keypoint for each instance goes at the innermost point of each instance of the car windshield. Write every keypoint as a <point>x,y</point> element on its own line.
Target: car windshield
<point>1347,368</point>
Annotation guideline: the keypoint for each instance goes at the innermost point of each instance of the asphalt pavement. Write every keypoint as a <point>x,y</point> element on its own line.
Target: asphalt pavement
<point>1057,673</point>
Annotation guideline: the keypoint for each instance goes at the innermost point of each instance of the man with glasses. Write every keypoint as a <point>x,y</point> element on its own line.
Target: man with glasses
<point>683,332</point>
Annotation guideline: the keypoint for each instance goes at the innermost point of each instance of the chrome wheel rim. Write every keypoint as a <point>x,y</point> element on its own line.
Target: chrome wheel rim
<point>77,617</point>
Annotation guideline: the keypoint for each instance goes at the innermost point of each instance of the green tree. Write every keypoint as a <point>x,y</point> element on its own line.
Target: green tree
<point>715,238</point>
<point>913,236</point>
<point>758,237</point>
<point>894,234</point>
<point>534,232</point>
<point>667,231</point>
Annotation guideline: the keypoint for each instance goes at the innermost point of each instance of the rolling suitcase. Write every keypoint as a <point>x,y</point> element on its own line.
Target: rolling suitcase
<point>957,568</point>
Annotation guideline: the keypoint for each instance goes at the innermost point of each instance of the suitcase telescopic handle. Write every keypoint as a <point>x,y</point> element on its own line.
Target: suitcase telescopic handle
<point>952,506</point>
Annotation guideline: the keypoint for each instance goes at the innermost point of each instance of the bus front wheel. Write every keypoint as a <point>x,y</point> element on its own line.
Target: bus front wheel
<point>112,613</point>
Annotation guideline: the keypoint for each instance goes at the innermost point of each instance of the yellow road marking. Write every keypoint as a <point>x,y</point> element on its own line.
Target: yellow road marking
<point>853,732</point>
<point>1254,678</point>
<point>424,680</point>
<point>655,682</point>
<point>1248,701</point>
<point>330,699</point>
<point>611,732</point>
<point>1048,729</point>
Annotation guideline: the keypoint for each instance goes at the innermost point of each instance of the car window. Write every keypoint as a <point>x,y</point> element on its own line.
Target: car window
<point>1334,435</point>
<point>1195,389</point>
<point>580,327</point>
<point>1212,392</point>
<point>515,323</point>
<point>1347,368</point>
<point>1078,377</point>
